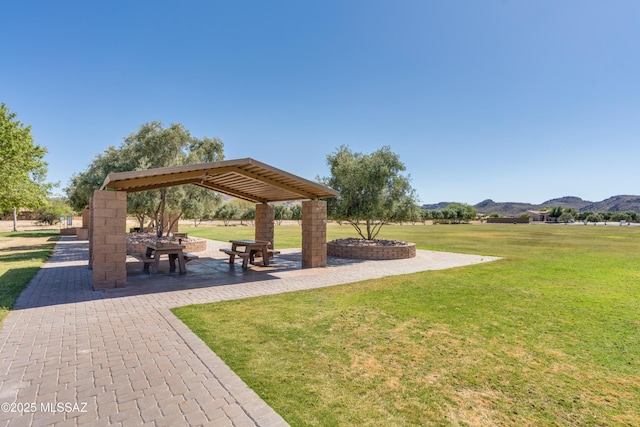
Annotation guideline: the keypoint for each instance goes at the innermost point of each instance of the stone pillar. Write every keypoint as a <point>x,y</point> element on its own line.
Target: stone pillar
<point>108,240</point>
<point>90,222</point>
<point>314,234</point>
<point>264,220</point>
<point>83,233</point>
<point>86,217</point>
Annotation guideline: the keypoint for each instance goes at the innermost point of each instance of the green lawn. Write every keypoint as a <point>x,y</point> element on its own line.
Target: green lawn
<point>21,256</point>
<point>550,335</point>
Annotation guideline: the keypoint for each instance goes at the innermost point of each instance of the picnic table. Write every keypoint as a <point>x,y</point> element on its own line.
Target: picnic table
<point>173,251</point>
<point>157,249</point>
<point>247,250</point>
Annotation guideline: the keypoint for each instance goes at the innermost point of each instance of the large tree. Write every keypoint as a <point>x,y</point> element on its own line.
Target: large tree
<point>372,190</point>
<point>153,146</point>
<point>22,168</point>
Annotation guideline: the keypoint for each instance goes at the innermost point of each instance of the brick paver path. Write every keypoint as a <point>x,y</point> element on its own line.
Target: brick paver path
<point>73,356</point>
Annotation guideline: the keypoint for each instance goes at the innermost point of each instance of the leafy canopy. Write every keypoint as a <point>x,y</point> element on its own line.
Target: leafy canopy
<point>153,146</point>
<point>372,190</point>
<point>22,168</point>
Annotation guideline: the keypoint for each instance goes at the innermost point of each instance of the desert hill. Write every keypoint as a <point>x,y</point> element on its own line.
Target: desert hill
<point>621,203</point>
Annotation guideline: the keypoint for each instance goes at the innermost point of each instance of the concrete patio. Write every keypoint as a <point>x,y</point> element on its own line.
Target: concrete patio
<point>120,357</point>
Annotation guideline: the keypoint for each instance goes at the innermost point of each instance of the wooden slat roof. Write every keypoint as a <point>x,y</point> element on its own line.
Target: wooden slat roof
<point>246,179</point>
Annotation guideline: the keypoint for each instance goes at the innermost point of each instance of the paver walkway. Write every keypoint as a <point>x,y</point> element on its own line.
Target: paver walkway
<point>73,356</point>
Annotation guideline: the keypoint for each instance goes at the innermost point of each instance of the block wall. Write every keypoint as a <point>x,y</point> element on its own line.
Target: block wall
<point>90,234</point>
<point>507,220</point>
<point>108,239</point>
<point>372,252</point>
<point>264,221</point>
<point>314,234</point>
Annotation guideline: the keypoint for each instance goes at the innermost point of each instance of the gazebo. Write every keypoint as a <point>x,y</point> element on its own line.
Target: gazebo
<point>247,179</point>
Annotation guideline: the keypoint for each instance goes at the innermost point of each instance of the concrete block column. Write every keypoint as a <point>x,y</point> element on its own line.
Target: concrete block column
<point>86,217</point>
<point>265,217</point>
<point>83,233</point>
<point>314,234</point>
<point>108,242</point>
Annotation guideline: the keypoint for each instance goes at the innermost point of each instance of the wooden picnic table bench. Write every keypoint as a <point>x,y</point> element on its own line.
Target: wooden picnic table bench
<point>148,260</point>
<point>251,249</point>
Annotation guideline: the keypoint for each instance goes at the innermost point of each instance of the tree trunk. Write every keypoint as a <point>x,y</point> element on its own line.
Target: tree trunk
<point>15,219</point>
<point>172,223</point>
<point>160,218</point>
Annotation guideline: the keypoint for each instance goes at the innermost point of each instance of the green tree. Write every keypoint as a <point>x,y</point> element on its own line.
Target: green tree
<point>459,212</point>
<point>437,216</point>
<point>153,146</point>
<point>594,218</point>
<point>248,215</point>
<point>620,216</point>
<point>410,212</point>
<point>52,211</point>
<point>296,212</point>
<point>83,184</point>
<point>450,214</point>
<point>566,216</point>
<point>227,212</point>
<point>22,168</point>
<point>372,190</point>
<point>198,203</point>
<point>425,215</point>
<point>582,216</point>
<point>555,212</point>
<point>281,213</point>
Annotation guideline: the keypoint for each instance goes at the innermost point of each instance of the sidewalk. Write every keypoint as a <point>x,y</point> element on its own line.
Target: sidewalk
<point>73,356</point>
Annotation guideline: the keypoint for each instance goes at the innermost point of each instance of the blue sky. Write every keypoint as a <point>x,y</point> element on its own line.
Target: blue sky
<point>508,100</point>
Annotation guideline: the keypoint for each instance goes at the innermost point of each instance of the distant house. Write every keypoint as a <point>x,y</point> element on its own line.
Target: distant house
<point>542,216</point>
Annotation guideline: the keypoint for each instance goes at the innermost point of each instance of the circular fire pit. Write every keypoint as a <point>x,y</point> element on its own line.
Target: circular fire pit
<point>370,249</point>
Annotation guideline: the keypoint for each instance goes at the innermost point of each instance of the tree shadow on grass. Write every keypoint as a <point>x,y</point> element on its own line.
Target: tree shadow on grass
<point>13,282</point>
<point>25,253</point>
<point>53,235</point>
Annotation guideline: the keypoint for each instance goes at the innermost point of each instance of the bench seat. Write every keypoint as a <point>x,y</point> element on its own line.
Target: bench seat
<point>143,258</point>
<point>148,260</point>
<point>246,256</point>
<point>189,257</point>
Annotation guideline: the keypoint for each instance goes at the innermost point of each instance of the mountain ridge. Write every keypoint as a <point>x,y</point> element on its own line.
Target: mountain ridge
<point>620,203</point>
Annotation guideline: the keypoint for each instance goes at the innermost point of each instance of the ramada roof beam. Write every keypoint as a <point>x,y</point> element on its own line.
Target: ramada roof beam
<point>231,192</point>
<point>258,177</point>
<point>153,180</point>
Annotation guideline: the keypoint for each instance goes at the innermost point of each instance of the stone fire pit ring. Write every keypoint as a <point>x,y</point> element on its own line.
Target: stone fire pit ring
<point>371,249</point>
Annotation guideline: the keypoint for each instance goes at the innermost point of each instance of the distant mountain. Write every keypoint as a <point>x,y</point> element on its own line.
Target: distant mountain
<point>437,206</point>
<point>612,204</point>
<point>615,204</point>
<point>505,209</point>
<point>567,202</point>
